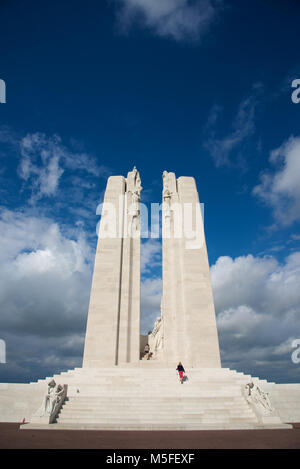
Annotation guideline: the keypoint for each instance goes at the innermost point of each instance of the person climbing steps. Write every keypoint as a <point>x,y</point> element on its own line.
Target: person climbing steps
<point>181,372</point>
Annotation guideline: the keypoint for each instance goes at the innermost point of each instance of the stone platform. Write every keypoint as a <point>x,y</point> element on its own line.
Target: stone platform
<point>149,396</point>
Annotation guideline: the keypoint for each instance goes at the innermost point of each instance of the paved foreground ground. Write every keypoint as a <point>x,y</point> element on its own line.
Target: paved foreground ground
<point>11,437</point>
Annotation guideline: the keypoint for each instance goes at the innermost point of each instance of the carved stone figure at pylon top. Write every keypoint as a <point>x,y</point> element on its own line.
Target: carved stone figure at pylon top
<point>166,194</point>
<point>169,185</point>
<point>134,181</point>
<point>134,208</point>
<point>165,181</point>
<point>138,183</point>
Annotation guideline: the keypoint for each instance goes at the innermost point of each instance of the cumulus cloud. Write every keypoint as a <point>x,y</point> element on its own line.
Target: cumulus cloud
<point>221,149</point>
<point>150,255</point>
<point>257,301</point>
<point>151,292</point>
<point>177,19</point>
<point>151,285</point>
<point>44,290</point>
<point>40,162</point>
<point>51,171</point>
<point>44,160</point>
<point>279,188</point>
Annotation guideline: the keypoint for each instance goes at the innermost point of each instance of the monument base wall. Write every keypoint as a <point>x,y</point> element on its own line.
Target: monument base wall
<point>149,396</point>
<point>19,401</point>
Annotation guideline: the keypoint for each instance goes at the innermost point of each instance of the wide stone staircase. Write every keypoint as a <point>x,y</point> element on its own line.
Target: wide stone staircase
<point>149,396</point>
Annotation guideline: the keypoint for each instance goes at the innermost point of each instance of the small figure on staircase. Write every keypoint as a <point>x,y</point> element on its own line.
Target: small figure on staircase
<point>147,353</point>
<point>180,371</point>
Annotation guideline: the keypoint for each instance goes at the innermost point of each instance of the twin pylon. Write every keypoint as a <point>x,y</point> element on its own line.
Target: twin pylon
<point>188,316</point>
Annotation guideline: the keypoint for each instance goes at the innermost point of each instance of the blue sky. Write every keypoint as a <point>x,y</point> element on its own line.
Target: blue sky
<point>201,88</point>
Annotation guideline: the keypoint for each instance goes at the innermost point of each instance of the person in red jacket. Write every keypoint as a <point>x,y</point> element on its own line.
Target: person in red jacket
<point>181,371</point>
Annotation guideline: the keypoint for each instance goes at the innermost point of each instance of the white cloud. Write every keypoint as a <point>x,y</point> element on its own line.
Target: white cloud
<point>151,251</point>
<point>280,188</point>
<point>151,292</point>
<point>45,159</point>
<point>242,128</point>
<point>284,348</point>
<point>177,19</point>
<point>44,290</point>
<point>40,163</point>
<point>257,301</point>
<point>151,285</point>
<point>239,321</point>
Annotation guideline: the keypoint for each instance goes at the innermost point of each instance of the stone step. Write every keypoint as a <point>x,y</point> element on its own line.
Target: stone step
<point>159,408</point>
<point>163,395</point>
<point>167,373</point>
<point>162,415</point>
<point>186,410</point>
<point>151,373</point>
<point>85,412</point>
<point>166,408</point>
<point>176,420</point>
<point>169,390</point>
<point>238,406</point>
<point>161,378</point>
<point>141,402</point>
<point>165,385</point>
<point>155,426</point>
<point>151,398</point>
<point>173,388</point>
<point>183,410</point>
<point>118,371</point>
<point>156,387</point>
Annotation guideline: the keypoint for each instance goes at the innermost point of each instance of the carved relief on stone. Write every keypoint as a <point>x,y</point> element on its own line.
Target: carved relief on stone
<point>167,205</point>
<point>52,401</point>
<point>166,189</point>
<point>134,189</point>
<point>258,398</point>
<point>134,182</point>
<point>156,337</point>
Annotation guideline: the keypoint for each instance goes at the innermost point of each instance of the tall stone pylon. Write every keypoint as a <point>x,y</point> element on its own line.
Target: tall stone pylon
<point>113,324</point>
<point>189,320</point>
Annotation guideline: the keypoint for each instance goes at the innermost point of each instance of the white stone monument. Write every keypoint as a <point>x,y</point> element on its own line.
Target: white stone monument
<point>189,331</point>
<point>96,394</point>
